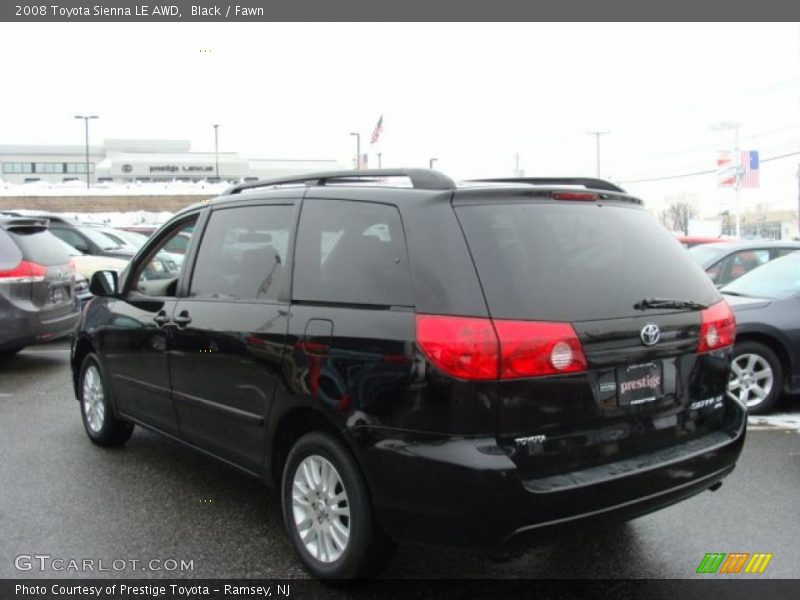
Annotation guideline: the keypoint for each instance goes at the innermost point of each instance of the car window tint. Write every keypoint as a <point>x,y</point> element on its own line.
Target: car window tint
<point>573,261</point>
<point>157,273</point>
<point>243,253</point>
<point>10,255</point>
<point>72,238</point>
<point>351,252</point>
<point>40,246</point>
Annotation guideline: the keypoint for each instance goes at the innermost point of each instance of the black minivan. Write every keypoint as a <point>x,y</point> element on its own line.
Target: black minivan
<point>404,358</point>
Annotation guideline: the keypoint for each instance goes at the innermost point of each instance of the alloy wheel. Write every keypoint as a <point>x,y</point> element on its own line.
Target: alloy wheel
<point>94,403</point>
<point>751,379</point>
<point>320,509</point>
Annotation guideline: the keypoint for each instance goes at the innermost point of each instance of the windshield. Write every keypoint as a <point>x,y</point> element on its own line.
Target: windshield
<point>776,279</point>
<point>706,255</point>
<point>131,238</point>
<point>99,238</point>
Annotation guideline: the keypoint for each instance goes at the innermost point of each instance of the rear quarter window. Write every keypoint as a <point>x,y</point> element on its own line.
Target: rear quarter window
<point>571,262</point>
<point>10,254</point>
<point>353,253</point>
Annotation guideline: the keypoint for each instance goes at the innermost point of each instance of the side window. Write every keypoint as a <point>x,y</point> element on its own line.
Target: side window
<point>745,261</point>
<point>351,252</point>
<point>243,253</point>
<point>157,274</point>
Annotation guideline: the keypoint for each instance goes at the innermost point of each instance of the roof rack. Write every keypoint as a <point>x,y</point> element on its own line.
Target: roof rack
<point>588,182</point>
<point>423,179</point>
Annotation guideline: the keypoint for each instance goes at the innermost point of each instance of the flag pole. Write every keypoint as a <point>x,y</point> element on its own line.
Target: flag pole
<point>737,181</point>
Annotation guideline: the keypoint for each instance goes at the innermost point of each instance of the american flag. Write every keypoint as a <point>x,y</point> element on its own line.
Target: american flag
<point>378,130</point>
<point>749,173</point>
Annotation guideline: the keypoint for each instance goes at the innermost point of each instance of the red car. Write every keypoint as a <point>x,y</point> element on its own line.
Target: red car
<point>695,240</point>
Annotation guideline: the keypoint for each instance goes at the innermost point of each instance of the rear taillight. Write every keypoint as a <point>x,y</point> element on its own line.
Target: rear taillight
<point>717,327</point>
<point>24,272</point>
<point>535,348</point>
<point>481,349</point>
<point>460,346</point>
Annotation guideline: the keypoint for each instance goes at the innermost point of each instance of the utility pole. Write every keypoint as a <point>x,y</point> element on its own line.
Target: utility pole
<point>431,161</point>
<point>216,151</point>
<point>798,201</point>
<point>738,169</point>
<point>86,122</point>
<point>597,135</point>
<point>379,160</point>
<point>358,150</point>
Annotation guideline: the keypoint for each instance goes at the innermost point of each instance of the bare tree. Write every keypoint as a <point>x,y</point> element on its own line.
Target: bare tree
<point>677,214</point>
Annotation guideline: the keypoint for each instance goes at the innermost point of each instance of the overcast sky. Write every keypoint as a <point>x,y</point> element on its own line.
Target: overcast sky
<point>471,95</point>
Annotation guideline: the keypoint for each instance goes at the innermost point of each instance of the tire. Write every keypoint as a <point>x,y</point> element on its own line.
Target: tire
<point>94,396</point>
<point>756,377</point>
<point>8,354</point>
<point>312,513</point>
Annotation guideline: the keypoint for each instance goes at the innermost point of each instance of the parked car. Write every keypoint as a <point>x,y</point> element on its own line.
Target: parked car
<point>766,358</point>
<point>476,364</point>
<point>726,261</point>
<point>689,241</point>
<point>88,239</point>
<point>37,285</point>
<point>178,245</point>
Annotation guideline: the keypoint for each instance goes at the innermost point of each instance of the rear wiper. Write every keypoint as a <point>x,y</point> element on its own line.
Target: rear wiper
<point>668,303</point>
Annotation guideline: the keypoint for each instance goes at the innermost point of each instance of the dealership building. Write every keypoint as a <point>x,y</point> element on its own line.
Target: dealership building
<point>142,160</point>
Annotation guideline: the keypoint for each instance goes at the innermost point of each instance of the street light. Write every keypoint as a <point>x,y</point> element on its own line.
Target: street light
<point>431,161</point>
<point>86,122</point>
<point>216,150</point>
<point>737,177</point>
<point>358,150</point>
<point>597,135</point>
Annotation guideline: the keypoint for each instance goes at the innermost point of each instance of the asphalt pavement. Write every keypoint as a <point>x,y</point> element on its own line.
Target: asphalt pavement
<point>154,500</point>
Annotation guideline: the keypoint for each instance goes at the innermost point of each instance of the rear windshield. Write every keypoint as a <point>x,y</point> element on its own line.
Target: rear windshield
<point>40,246</point>
<point>777,279</point>
<point>10,255</point>
<point>575,262</point>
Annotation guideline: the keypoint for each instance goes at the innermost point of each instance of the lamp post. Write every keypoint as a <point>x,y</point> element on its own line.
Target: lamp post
<point>431,161</point>
<point>737,156</point>
<point>86,123</point>
<point>380,164</point>
<point>597,135</point>
<point>216,150</point>
<point>358,150</point>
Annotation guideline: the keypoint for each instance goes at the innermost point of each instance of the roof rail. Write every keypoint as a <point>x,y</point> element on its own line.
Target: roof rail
<point>588,182</point>
<point>423,179</point>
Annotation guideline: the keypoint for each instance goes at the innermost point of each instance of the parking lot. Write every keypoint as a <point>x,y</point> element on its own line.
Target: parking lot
<point>153,499</point>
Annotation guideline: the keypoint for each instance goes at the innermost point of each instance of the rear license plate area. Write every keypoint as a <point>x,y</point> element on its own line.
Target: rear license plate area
<point>639,384</point>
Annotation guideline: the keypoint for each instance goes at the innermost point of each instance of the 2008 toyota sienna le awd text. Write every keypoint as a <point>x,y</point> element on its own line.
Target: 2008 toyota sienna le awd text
<point>404,358</point>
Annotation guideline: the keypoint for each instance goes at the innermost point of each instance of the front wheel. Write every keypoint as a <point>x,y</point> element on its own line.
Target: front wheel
<point>102,427</point>
<point>756,377</point>
<point>327,511</point>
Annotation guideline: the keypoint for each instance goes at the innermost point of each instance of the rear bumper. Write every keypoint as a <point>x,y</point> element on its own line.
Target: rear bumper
<point>20,328</point>
<point>468,492</point>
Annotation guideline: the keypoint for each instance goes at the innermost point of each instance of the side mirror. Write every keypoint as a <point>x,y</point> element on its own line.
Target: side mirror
<point>104,283</point>
<point>82,247</point>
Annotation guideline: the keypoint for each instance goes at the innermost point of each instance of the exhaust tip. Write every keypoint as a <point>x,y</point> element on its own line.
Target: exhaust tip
<point>715,487</point>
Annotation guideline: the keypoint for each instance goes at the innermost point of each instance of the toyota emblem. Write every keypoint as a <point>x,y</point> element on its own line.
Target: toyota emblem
<point>650,334</point>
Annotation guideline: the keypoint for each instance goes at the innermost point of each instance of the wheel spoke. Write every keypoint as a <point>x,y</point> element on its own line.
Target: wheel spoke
<point>751,362</point>
<point>320,515</point>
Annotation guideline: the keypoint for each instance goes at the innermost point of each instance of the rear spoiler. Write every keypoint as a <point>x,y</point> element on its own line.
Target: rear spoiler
<point>24,223</point>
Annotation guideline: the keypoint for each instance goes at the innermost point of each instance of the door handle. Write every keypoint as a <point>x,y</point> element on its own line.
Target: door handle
<point>183,319</point>
<point>161,318</point>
